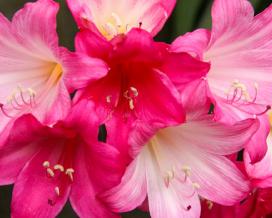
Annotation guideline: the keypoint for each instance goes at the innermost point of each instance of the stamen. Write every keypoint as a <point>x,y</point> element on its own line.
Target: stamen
<point>50,172</point>
<point>70,172</point>
<point>4,111</point>
<point>57,190</point>
<point>46,164</point>
<point>196,185</point>
<point>131,104</point>
<point>186,170</point>
<point>59,167</point>
<point>130,95</point>
<point>116,19</point>
<point>108,99</point>
<point>210,204</point>
<point>110,29</point>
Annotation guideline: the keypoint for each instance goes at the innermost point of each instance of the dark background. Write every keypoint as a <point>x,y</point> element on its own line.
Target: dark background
<point>188,15</point>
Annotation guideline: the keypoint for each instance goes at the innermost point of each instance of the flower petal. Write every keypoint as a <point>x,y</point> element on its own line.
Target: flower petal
<point>131,192</point>
<point>97,168</point>
<point>194,43</point>
<point>80,69</point>
<point>214,172</point>
<point>19,148</point>
<point>95,14</point>
<point>240,50</point>
<point>34,193</point>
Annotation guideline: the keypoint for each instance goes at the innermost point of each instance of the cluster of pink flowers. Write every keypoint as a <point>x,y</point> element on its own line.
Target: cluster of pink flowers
<point>187,123</point>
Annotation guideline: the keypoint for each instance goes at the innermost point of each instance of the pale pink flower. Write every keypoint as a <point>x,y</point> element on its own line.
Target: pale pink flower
<point>34,70</point>
<point>110,18</point>
<point>50,165</point>
<point>239,50</point>
<point>179,164</point>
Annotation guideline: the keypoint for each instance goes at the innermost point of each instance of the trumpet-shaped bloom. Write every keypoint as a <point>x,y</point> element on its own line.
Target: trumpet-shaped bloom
<point>141,83</point>
<point>50,165</point>
<point>110,18</point>
<point>35,73</point>
<point>239,48</point>
<point>180,163</point>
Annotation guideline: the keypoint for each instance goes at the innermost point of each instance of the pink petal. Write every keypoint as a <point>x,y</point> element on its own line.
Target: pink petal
<point>131,192</point>
<point>195,43</point>
<point>257,146</point>
<point>80,69</point>
<point>34,193</point>
<point>92,44</point>
<point>37,27</point>
<point>95,14</point>
<point>19,148</point>
<point>177,200</point>
<point>260,171</point>
<point>240,50</point>
<point>181,68</point>
<point>219,179</point>
<point>97,168</point>
<point>215,137</point>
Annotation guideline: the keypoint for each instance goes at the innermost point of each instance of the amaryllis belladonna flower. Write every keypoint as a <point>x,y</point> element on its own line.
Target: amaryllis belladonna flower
<point>51,165</point>
<point>34,70</point>
<point>111,18</point>
<point>179,164</point>
<point>141,83</point>
<point>239,48</point>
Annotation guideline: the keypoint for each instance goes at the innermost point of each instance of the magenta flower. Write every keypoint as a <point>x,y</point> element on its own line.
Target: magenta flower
<point>179,164</point>
<point>111,18</point>
<point>239,48</point>
<point>34,70</point>
<point>141,83</point>
<point>50,165</point>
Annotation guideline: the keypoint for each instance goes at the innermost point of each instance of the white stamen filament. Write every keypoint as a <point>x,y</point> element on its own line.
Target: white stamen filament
<point>70,172</point>
<point>57,190</point>
<point>50,172</point>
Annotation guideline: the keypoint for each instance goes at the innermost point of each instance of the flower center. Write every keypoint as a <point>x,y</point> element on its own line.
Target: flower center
<point>113,27</point>
<point>57,172</point>
<point>25,98</point>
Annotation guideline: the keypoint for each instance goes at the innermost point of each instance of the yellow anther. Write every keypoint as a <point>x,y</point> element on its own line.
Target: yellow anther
<point>59,167</point>
<point>186,170</point>
<point>50,172</point>
<point>46,164</point>
<point>57,190</point>
<point>196,185</point>
<point>31,92</point>
<point>210,204</point>
<point>170,174</point>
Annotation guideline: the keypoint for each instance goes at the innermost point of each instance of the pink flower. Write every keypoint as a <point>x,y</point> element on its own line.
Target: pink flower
<point>110,18</point>
<point>34,70</point>
<point>239,48</point>
<point>179,164</point>
<point>51,165</point>
<point>141,83</point>
<point>257,205</point>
